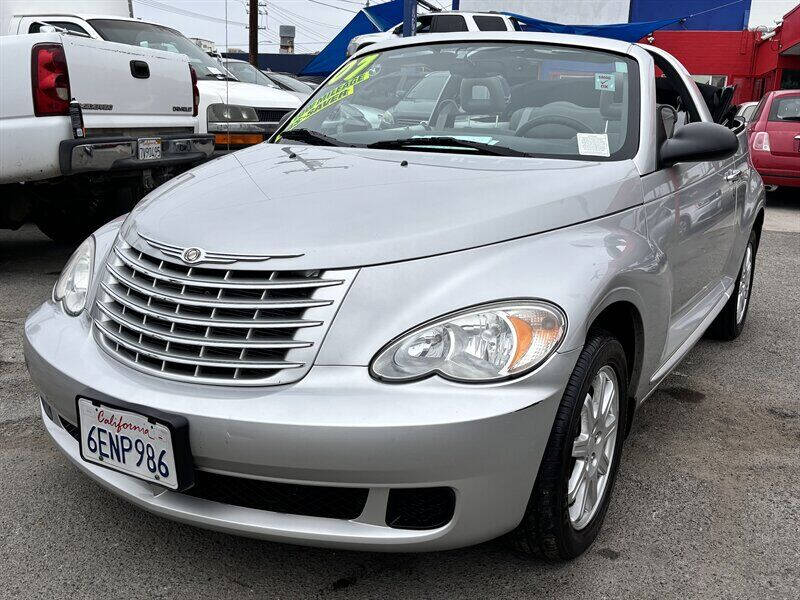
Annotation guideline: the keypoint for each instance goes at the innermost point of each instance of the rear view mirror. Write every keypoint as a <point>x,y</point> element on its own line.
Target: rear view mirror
<point>695,142</point>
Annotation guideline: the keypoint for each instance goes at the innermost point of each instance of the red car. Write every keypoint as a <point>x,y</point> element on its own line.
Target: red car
<point>774,138</point>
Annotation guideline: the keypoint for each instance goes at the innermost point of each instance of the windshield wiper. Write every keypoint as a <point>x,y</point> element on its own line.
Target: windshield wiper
<point>446,141</point>
<point>310,137</point>
<point>792,118</point>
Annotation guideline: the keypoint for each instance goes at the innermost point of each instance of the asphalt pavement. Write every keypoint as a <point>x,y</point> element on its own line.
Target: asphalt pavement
<point>707,503</point>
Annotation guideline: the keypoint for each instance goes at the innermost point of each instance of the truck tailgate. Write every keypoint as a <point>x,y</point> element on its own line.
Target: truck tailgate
<point>141,87</point>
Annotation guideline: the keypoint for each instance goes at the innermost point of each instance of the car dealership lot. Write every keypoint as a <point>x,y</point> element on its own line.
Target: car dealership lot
<point>706,503</point>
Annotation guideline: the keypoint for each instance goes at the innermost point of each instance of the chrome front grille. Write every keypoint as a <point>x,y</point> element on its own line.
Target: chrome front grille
<point>213,325</point>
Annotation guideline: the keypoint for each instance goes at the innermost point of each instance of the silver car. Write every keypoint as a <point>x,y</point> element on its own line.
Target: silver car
<point>404,336</point>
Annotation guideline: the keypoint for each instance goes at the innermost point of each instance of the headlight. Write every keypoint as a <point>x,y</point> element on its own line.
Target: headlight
<point>231,113</point>
<point>480,344</point>
<point>73,284</point>
<point>230,118</point>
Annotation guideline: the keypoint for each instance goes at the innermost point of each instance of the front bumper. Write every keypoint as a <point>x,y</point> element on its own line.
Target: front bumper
<point>121,153</point>
<point>336,427</point>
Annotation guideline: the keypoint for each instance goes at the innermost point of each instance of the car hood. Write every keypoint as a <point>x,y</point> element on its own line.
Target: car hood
<point>348,207</point>
<point>246,94</point>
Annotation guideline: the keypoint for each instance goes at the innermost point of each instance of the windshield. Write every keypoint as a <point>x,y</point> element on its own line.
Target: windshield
<point>249,74</point>
<point>147,35</point>
<point>519,99</point>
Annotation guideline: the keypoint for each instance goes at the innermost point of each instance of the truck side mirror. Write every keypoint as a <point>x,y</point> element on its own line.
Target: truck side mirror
<point>695,142</point>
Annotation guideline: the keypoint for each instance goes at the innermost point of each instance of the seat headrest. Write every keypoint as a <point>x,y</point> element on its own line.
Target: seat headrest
<point>611,100</point>
<point>483,95</point>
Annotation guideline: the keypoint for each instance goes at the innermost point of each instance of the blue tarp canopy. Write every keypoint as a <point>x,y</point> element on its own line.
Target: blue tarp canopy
<point>627,32</point>
<point>373,19</point>
<point>381,17</point>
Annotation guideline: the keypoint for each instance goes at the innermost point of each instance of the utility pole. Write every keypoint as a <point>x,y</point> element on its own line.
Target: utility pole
<point>253,29</point>
<point>409,17</point>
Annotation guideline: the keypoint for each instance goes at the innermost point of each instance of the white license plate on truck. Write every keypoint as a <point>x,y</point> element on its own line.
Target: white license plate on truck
<point>127,442</point>
<point>149,148</point>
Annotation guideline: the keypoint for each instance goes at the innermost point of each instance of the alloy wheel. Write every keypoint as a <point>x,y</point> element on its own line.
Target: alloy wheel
<point>593,448</point>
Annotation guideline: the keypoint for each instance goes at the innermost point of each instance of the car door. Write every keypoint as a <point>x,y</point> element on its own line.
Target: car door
<point>691,214</point>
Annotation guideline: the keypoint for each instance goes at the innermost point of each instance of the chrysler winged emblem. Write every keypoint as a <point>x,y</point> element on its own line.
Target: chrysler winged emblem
<point>194,255</point>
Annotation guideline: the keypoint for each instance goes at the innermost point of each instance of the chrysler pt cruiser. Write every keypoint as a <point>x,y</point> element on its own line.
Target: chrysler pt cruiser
<point>423,314</point>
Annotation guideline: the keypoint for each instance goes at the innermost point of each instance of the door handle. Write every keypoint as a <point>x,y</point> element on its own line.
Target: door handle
<point>733,175</point>
<point>140,69</point>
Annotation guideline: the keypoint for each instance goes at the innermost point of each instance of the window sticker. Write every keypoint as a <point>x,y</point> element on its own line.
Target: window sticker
<point>593,144</point>
<point>621,67</point>
<point>351,75</point>
<point>604,82</point>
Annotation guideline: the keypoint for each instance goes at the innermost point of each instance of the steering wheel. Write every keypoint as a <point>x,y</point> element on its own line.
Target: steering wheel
<point>352,119</point>
<point>571,122</point>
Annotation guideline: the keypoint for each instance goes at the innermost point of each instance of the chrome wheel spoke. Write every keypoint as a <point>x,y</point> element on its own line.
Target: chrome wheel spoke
<point>576,484</point>
<point>580,448</point>
<point>603,463</point>
<point>591,494</point>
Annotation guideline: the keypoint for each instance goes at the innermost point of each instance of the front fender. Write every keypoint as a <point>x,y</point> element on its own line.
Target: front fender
<point>583,269</point>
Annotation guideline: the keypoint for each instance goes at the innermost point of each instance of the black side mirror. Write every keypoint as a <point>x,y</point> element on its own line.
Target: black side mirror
<point>695,142</point>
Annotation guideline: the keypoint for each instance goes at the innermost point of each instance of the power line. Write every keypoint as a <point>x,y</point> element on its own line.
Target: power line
<point>188,13</point>
<point>283,15</point>
<point>275,5</point>
<point>333,6</point>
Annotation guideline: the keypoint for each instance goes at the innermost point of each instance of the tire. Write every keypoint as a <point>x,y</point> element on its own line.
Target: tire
<point>552,527</point>
<point>730,322</point>
<point>65,229</point>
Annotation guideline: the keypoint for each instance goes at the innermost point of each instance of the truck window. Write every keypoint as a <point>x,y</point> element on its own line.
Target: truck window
<point>158,37</point>
<point>36,27</point>
<point>448,23</point>
<point>486,23</point>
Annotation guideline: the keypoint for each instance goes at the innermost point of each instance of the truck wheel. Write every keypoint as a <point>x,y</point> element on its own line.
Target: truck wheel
<point>576,476</point>
<point>730,322</point>
<point>67,214</point>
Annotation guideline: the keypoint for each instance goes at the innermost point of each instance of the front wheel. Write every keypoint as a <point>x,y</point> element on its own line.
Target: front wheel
<point>576,476</point>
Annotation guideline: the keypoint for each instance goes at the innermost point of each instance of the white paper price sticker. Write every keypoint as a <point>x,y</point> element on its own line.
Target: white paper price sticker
<point>593,144</point>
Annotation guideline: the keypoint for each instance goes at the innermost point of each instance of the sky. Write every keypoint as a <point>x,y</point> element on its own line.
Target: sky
<point>316,21</point>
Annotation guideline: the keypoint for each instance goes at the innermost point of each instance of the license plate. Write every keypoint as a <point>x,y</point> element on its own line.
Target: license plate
<point>149,148</point>
<point>127,442</point>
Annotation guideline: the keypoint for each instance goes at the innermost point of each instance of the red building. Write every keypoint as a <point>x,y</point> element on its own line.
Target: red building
<point>754,61</point>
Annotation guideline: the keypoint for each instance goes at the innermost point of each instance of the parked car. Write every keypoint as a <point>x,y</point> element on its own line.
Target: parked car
<point>439,22</point>
<point>238,114</point>
<point>290,82</point>
<point>246,72</point>
<point>774,134</point>
<point>746,110</point>
<point>408,337</point>
<point>87,127</point>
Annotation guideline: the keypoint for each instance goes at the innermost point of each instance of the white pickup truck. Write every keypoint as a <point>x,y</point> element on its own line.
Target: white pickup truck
<point>439,22</point>
<point>238,114</point>
<point>87,127</point>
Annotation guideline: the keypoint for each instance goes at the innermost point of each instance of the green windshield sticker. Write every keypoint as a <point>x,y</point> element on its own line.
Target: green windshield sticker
<point>351,75</point>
